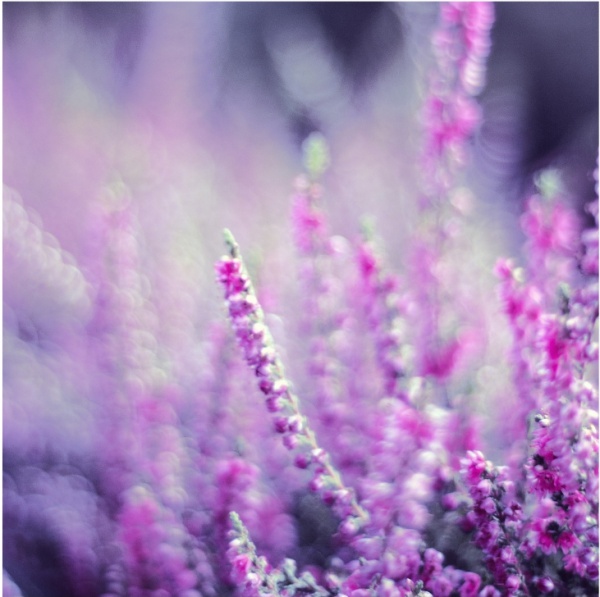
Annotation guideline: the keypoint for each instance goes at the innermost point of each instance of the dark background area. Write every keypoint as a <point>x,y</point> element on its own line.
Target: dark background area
<point>541,99</point>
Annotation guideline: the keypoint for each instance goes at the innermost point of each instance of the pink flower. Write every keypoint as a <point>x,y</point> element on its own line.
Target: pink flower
<point>545,585</point>
<point>474,466</point>
<point>567,541</point>
<point>241,566</point>
<point>574,564</point>
<point>259,351</point>
<point>545,481</point>
<point>470,585</point>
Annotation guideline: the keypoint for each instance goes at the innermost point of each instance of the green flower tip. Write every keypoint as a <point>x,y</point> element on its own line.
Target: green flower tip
<point>236,522</point>
<point>230,242</point>
<point>316,155</point>
<point>549,183</point>
<point>368,228</point>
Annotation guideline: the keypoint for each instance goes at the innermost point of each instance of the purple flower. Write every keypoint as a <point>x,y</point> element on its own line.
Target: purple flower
<point>470,585</point>
<point>135,444</point>
<point>258,348</point>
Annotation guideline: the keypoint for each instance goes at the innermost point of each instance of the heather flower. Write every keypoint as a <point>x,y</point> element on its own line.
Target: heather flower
<point>491,534</point>
<point>552,232</point>
<point>337,373</point>
<point>461,44</point>
<point>257,576</point>
<point>531,296</point>
<point>470,585</point>
<point>135,442</point>
<point>402,469</point>
<point>564,445</point>
<point>310,232</point>
<point>323,312</point>
<point>259,351</point>
<point>522,303</point>
<point>446,336</point>
<point>385,314</point>
<point>550,362</point>
<point>156,546</point>
<point>250,571</point>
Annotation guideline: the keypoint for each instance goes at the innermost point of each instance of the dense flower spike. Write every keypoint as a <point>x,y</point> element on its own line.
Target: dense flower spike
<point>551,229</point>
<point>495,524</point>
<point>563,467</point>
<point>553,343</point>
<point>522,304</point>
<point>156,547</point>
<point>258,347</point>
<point>156,550</point>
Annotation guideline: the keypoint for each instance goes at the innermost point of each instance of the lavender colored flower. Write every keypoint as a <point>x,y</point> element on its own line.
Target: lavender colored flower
<point>259,351</point>
<point>325,313</point>
<point>251,571</point>
<point>461,44</point>
<point>489,517</point>
<point>385,313</point>
<point>138,460</point>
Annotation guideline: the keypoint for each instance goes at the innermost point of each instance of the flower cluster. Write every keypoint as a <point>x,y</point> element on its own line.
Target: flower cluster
<point>411,455</point>
<point>385,312</point>
<point>433,433</point>
<point>461,45</point>
<point>494,524</point>
<point>258,347</point>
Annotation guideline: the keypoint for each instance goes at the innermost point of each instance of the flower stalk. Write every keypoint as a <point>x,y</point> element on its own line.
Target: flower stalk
<point>258,347</point>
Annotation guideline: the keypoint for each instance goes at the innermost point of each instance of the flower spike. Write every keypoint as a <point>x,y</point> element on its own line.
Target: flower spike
<point>247,566</point>
<point>258,346</point>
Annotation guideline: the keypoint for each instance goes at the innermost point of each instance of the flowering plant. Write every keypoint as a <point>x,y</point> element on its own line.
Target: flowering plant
<point>363,472</point>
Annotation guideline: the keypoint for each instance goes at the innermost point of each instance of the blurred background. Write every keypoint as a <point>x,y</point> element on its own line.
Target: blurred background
<point>235,88</point>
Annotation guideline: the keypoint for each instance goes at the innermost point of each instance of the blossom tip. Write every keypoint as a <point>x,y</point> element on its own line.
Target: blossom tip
<point>230,242</point>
